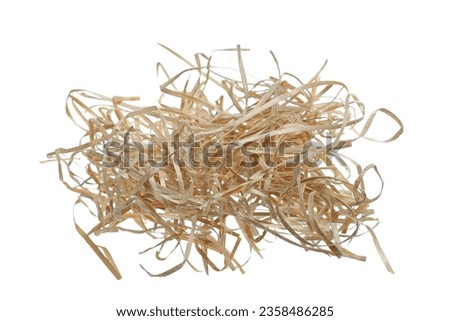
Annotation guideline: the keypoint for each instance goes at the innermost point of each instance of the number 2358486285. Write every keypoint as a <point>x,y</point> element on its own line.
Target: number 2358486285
<point>299,311</point>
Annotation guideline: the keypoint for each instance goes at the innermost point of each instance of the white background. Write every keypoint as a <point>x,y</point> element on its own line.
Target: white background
<point>392,54</point>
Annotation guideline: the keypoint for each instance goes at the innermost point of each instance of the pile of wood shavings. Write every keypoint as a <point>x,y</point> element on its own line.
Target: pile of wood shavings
<point>262,156</point>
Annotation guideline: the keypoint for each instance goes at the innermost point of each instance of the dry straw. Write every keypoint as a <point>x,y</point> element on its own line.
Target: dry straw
<point>231,164</point>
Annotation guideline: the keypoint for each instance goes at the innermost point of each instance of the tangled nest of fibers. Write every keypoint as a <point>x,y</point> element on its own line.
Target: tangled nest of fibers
<point>233,163</point>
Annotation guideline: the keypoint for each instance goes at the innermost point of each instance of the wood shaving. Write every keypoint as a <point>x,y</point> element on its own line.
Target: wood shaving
<point>231,164</point>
